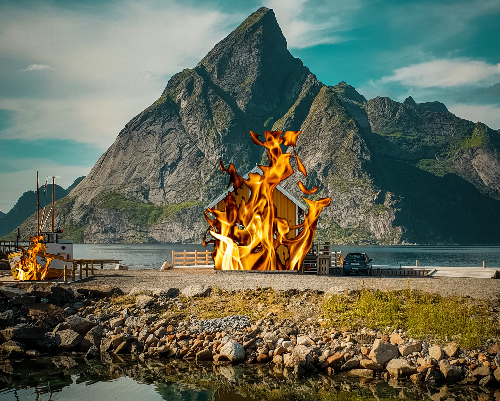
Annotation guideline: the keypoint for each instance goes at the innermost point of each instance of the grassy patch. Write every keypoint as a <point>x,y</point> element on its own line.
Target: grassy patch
<point>438,168</point>
<point>143,214</point>
<point>421,315</point>
<point>75,232</point>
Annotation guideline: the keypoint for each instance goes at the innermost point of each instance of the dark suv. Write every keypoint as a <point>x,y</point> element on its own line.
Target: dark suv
<point>357,263</point>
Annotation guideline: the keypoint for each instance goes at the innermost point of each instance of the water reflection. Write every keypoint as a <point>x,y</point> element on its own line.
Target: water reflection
<point>73,378</point>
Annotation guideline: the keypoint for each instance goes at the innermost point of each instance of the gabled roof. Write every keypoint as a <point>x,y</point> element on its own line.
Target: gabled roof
<point>257,170</point>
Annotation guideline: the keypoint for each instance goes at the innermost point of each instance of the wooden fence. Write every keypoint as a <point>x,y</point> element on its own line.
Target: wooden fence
<point>195,258</point>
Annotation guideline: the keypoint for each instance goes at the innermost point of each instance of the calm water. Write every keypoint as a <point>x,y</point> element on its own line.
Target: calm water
<point>70,378</point>
<point>151,256</point>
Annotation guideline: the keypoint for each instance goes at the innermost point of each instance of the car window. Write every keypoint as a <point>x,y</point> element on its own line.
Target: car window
<point>355,257</point>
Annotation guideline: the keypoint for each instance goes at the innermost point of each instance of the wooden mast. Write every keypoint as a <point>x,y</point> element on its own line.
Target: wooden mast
<point>37,205</point>
<point>53,201</point>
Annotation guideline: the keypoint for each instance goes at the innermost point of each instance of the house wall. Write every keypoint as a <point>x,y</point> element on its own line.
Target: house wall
<point>285,208</point>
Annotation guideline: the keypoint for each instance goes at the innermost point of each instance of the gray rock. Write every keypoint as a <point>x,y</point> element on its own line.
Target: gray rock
<point>451,349</point>
<point>400,368</point>
<point>382,352</point>
<point>450,372</point>
<point>133,322</point>
<point>196,291</point>
<point>92,352</point>
<point>233,350</point>
<point>6,319</point>
<point>106,344</point>
<point>23,332</point>
<point>371,365</point>
<point>270,338</point>
<point>60,295</point>
<point>167,294</point>
<point>93,337</point>
<point>143,301</point>
<point>436,353</point>
<point>204,356</point>
<point>79,324</point>
<point>433,377</point>
<point>408,349</point>
<point>352,363</point>
<point>12,292</point>
<point>362,372</point>
<point>69,339</point>
<point>487,381</point>
<point>481,371</point>
<point>300,356</point>
<point>116,322</point>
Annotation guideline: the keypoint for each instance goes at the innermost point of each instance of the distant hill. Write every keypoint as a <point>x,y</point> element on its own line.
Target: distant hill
<point>26,206</point>
<point>397,172</point>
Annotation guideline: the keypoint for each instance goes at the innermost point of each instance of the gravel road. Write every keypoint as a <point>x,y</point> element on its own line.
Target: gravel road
<point>480,288</point>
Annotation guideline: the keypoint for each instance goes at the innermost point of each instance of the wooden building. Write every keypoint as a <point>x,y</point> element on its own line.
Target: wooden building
<point>287,206</point>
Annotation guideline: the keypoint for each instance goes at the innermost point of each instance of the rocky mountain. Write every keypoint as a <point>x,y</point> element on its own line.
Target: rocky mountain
<point>396,172</point>
<point>26,206</point>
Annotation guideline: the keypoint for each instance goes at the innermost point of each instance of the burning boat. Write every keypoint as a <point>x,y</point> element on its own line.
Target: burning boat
<point>47,253</point>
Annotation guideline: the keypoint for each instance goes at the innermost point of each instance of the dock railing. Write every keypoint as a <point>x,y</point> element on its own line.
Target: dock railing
<point>192,259</point>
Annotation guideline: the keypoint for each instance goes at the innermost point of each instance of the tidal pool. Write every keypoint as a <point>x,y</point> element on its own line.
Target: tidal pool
<point>73,378</point>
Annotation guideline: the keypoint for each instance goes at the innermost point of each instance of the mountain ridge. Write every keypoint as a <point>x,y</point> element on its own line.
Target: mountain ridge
<point>385,164</point>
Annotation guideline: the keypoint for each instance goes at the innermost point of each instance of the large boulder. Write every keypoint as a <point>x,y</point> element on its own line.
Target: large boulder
<point>92,338</point>
<point>48,314</point>
<point>23,332</point>
<point>143,301</point>
<point>69,339</point>
<point>233,350</point>
<point>450,372</point>
<point>79,324</point>
<point>382,352</point>
<point>60,295</point>
<point>300,356</point>
<point>6,319</point>
<point>197,291</point>
<point>204,356</point>
<point>436,352</point>
<point>400,368</point>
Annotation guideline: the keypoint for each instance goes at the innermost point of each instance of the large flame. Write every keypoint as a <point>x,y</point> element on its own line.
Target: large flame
<point>248,236</point>
<point>28,268</point>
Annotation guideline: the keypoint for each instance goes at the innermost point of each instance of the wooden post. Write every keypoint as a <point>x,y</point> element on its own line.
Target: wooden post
<point>173,259</point>
<point>196,257</point>
<point>81,268</point>
<point>87,268</point>
<point>65,274</point>
<point>92,267</point>
<point>184,257</point>
<point>73,270</point>
<point>416,263</point>
<point>484,264</point>
<point>206,257</point>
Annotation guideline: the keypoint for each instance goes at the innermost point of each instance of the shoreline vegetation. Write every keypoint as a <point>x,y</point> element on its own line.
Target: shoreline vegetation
<point>422,339</point>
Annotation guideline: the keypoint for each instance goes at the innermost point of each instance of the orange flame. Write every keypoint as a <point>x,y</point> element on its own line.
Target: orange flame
<point>247,237</point>
<point>28,268</point>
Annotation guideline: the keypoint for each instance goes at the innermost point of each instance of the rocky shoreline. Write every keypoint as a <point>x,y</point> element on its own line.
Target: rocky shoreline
<point>100,321</point>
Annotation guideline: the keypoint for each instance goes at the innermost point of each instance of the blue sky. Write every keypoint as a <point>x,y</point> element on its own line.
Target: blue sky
<point>73,73</point>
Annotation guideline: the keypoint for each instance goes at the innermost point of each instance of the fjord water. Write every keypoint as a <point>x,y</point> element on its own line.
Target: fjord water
<point>68,378</point>
<point>151,256</point>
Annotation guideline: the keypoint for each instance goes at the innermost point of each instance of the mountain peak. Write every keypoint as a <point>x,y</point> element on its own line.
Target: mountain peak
<point>252,63</point>
<point>410,102</point>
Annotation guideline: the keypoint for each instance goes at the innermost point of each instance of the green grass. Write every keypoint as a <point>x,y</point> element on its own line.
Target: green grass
<point>438,168</point>
<point>421,315</point>
<point>75,232</point>
<point>143,214</point>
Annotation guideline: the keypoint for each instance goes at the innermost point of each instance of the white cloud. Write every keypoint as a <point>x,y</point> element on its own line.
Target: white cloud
<point>38,67</point>
<point>307,23</point>
<point>446,73</point>
<point>25,180</point>
<point>109,66</point>
<point>487,114</point>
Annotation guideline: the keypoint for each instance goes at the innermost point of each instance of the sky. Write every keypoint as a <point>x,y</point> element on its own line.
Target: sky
<point>74,72</point>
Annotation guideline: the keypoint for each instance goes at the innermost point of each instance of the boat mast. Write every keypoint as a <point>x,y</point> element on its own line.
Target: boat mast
<point>37,205</point>
<point>53,201</point>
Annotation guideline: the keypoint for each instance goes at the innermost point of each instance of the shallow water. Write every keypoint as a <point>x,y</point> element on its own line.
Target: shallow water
<point>72,378</point>
<point>152,256</point>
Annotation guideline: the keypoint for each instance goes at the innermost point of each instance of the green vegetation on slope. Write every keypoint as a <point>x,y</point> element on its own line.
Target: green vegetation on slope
<point>421,315</point>
<point>439,168</point>
<point>143,214</point>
